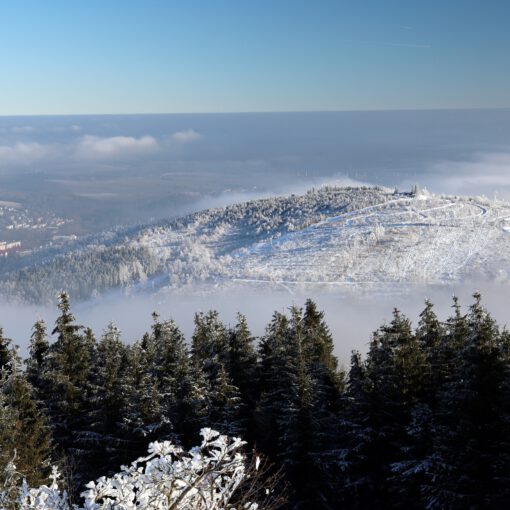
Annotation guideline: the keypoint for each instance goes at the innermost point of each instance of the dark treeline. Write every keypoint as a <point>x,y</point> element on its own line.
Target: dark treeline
<point>423,421</point>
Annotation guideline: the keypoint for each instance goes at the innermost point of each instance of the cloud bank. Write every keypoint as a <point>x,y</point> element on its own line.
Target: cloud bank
<point>186,136</point>
<point>485,174</point>
<point>22,153</point>
<point>95,146</point>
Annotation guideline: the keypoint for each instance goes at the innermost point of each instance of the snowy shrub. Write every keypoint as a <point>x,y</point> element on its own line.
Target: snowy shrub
<point>204,478</point>
<point>379,231</point>
<point>44,497</point>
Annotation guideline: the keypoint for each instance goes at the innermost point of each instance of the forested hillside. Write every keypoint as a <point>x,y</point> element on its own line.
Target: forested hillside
<point>421,421</point>
<point>330,237</point>
<point>196,248</point>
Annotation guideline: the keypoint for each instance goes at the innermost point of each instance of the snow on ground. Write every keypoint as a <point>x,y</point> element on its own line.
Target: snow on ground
<point>364,237</point>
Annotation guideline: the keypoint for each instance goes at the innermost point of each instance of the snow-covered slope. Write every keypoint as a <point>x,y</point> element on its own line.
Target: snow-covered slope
<point>419,239</point>
<point>399,238</point>
<point>354,237</point>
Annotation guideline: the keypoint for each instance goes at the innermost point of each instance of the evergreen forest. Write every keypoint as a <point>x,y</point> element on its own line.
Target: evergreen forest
<point>422,421</point>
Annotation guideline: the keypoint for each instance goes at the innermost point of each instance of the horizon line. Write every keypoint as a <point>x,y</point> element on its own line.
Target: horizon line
<point>248,112</point>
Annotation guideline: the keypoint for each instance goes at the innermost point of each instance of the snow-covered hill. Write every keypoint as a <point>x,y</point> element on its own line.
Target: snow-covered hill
<point>354,237</point>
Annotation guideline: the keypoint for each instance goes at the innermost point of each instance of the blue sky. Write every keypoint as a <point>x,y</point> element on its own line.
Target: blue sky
<point>150,56</point>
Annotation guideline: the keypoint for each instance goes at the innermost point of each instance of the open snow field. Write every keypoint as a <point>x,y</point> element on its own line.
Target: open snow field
<point>398,239</point>
<point>407,240</point>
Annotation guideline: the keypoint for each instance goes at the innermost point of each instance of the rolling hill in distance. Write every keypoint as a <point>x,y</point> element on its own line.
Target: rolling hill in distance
<point>361,238</point>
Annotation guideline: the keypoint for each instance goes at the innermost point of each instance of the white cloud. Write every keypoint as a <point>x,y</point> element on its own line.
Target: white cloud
<point>186,136</point>
<point>95,146</point>
<point>22,153</point>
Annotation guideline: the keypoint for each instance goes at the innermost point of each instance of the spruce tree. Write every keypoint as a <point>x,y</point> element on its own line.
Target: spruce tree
<point>470,464</point>
<point>358,437</point>
<point>36,361</point>
<point>182,388</point>
<point>274,384</point>
<point>300,427</point>
<point>319,372</point>
<point>224,409</point>
<point>24,435</point>
<point>394,386</point>
<point>5,355</point>
<point>105,434</point>
<point>410,471</point>
<point>209,344</point>
<point>367,448</point>
<point>294,411</point>
<point>242,358</point>
<point>430,334</point>
<point>68,371</point>
<point>241,367</point>
<point>142,412</point>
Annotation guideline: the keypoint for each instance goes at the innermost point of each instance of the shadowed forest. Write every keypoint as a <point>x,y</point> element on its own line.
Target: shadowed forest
<point>421,421</point>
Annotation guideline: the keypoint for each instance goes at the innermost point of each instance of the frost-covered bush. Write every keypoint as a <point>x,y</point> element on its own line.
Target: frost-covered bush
<point>19,496</point>
<point>43,498</point>
<point>204,478</point>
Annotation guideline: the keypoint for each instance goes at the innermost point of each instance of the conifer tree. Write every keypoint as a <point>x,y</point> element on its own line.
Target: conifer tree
<point>453,342</point>
<point>470,464</point>
<point>430,334</point>
<point>195,391</point>
<point>318,342</point>
<point>24,435</point>
<point>394,382</point>
<point>182,388</point>
<point>328,381</point>
<point>241,367</point>
<point>105,429</point>
<point>242,359</point>
<point>209,344</point>
<point>364,434</point>
<point>300,427</point>
<point>36,362</point>
<point>224,409</point>
<point>358,436</point>
<point>142,413</point>
<point>5,355</point>
<point>417,446</point>
<point>209,353</point>
<point>68,371</point>
<point>293,410</point>
<point>274,384</point>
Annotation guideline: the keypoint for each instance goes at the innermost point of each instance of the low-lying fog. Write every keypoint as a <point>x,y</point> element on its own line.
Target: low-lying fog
<point>352,317</point>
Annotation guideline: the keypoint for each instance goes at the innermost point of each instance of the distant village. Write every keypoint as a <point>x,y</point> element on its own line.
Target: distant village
<point>6,248</point>
<point>15,219</point>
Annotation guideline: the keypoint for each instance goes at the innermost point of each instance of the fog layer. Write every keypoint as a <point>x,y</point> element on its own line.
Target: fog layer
<point>352,317</point>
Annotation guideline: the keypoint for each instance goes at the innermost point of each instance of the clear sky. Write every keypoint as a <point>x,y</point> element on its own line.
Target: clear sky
<point>165,56</point>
